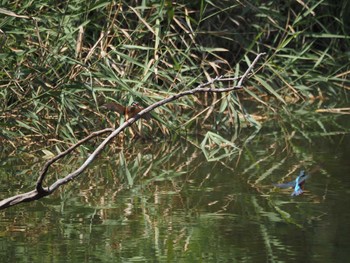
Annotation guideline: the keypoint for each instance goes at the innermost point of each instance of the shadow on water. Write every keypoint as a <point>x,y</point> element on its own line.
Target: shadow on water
<point>166,202</point>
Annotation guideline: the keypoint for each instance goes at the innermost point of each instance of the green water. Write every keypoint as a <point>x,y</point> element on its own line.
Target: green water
<point>186,209</point>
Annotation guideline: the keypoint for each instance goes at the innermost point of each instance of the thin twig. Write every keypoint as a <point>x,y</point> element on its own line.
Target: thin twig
<point>40,191</point>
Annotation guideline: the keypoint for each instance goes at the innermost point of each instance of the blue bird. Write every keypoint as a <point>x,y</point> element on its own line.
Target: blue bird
<point>297,184</point>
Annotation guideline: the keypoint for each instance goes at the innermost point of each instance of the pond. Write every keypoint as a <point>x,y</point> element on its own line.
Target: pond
<point>165,202</point>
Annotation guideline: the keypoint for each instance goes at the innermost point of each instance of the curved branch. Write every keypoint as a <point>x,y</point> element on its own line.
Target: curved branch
<point>40,191</point>
<point>45,169</point>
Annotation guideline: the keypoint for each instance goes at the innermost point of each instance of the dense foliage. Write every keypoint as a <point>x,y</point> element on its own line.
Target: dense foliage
<point>61,60</point>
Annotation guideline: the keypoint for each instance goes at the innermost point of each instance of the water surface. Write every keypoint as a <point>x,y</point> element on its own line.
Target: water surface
<point>175,206</point>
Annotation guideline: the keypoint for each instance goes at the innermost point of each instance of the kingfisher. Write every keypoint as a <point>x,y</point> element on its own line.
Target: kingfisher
<point>297,184</point>
<point>127,111</point>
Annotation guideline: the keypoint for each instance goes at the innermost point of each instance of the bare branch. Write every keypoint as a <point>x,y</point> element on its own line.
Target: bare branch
<point>43,172</point>
<point>40,191</point>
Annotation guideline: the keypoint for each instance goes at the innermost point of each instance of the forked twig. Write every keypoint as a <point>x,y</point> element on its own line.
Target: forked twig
<point>41,191</point>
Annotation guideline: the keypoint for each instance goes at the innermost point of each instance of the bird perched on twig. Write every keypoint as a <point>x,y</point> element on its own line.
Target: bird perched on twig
<point>127,111</point>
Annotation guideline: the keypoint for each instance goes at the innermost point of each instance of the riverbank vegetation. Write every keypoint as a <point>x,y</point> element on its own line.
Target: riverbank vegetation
<point>62,60</point>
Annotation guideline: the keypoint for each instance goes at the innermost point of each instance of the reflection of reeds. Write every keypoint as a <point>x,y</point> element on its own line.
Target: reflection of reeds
<point>176,196</point>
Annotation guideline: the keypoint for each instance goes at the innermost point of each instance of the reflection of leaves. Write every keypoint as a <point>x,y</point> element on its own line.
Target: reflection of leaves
<point>269,171</point>
<point>270,240</point>
<point>215,147</point>
<point>152,163</point>
<point>310,124</point>
<point>124,168</point>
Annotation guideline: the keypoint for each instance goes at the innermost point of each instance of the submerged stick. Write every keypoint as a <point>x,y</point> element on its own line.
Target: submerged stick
<point>41,191</point>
